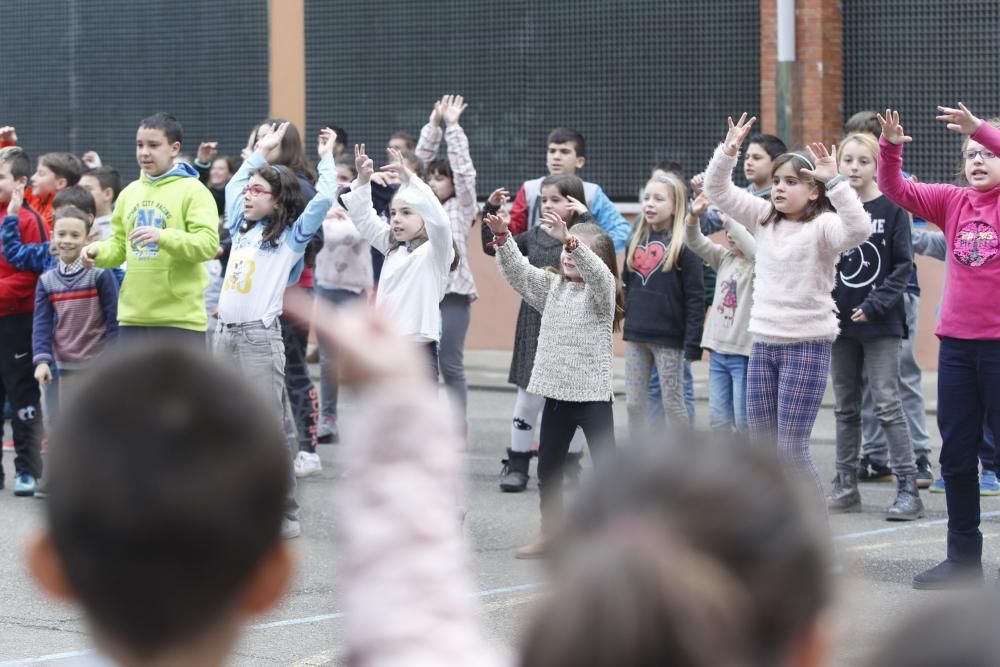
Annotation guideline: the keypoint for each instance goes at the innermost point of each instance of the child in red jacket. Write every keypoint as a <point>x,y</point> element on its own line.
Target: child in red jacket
<point>17,302</point>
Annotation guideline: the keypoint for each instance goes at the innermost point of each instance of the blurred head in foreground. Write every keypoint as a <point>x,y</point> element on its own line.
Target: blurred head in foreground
<point>167,480</point>
<point>702,554</point>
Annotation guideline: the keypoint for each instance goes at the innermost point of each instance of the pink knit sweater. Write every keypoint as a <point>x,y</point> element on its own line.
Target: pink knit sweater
<point>970,220</point>
<point>407,588</point>
<point>796,261</point>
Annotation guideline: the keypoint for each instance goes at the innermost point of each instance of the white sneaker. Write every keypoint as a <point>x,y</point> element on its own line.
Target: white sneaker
<point>307,464</point>
<point>290,529</point>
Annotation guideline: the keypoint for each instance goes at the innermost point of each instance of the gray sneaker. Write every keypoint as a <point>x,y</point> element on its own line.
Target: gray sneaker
<point>290,529</point>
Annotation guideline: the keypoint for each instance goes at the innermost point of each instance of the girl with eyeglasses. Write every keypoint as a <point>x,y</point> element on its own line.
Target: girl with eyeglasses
<point>969,326</point>
<point>271,226</point>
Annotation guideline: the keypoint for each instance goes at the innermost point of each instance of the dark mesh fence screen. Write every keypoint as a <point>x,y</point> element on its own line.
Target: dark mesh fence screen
<point>916,54</point>
<point>79,76</point>
<point>643,80</point>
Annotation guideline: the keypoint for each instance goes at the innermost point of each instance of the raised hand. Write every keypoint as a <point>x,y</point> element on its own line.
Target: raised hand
<point>554,226</point>
<point>8,134</point>
<point>435,118</point>
<point>269,139</point>
<point>737,134</point>
<point>697,181</point>
<point>364,165</point>
<point>499,197</point>
<point>825,161</point>
<point>91,160</point>
<point>16,200</point>
<point>496,224</point>
<point>577,206</point>
<point>697,209</point>
<point>397,167</point>
<point>960,119</point>
<point>452,107</point>
<point>324,144</point>
<point>206,151</point>
<point>891,129</point>
<point>367,350</point>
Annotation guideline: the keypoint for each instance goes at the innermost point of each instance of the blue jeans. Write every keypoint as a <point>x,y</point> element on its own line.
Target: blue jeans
<point>727,392</point>
<point>968,393</point>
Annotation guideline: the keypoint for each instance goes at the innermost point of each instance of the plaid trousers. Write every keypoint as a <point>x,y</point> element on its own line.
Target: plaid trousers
<point>785,384</point>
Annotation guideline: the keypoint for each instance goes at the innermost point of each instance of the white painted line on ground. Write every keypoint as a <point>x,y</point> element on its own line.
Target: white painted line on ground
<point>844,537</point>
<point>266,626</point>
<point>901,527</point>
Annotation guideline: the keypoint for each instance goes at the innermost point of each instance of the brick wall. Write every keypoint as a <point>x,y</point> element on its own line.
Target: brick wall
<point>817,90</point>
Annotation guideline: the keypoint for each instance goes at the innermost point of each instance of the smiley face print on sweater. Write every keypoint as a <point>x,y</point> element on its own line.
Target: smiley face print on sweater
<point>648,259</point>
<point>976,243</point>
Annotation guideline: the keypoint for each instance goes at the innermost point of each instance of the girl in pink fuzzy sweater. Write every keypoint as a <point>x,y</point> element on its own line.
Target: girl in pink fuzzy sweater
<point>813,216</point>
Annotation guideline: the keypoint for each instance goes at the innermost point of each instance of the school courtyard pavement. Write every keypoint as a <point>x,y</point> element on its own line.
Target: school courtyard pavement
<point>873,590</point>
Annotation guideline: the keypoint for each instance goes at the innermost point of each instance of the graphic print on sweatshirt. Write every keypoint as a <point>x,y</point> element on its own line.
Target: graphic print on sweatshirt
<point>727,308</point>
<point>648,259</point>
<point>976,243</point>
<point>859,267</point>
<point>150,216</point>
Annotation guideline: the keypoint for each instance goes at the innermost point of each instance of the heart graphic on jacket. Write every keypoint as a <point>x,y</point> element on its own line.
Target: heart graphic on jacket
<point>648,258</point>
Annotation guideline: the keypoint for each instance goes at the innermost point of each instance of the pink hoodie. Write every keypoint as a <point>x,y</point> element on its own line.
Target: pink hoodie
<point>970,220</point>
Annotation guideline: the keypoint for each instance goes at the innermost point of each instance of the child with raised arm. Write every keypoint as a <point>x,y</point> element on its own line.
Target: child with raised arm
<point>869,297</point>
<point>969,356</point>
<point>581,305</point>
<point>726,334</point>
<point>453,180</point>
<point>271,227</point>
<point>812,217</point>
<point>418,249</point>
<point>166,226</point>
<point>563,195</point>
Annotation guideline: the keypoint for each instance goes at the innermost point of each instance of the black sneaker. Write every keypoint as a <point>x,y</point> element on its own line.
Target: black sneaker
<point>870,470</point>
<point>925,477</point>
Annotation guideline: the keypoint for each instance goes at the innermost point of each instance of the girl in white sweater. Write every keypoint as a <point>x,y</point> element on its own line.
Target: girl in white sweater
<point>581,305</point>
<point>793,322</point>
<point>417,246</point>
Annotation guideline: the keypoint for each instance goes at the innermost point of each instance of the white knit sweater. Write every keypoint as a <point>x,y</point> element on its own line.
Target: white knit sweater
<point>573,361</point>
<point>796,261</point>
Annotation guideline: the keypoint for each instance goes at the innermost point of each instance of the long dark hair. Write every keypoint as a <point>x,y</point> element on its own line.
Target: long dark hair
<point>288,203</point>
<point>814,208</point>
<point>292,151</point>
<point>568,186</point>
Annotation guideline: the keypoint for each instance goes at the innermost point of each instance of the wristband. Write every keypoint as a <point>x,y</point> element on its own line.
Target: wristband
<point>498,240</point>
<point>571,243</point>
<point>835,181</point>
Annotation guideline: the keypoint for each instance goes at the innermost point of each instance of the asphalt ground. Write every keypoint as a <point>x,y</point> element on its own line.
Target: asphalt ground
<point>873,591</point>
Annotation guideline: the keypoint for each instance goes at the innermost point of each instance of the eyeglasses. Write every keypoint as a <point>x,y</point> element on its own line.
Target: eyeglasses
<point>256,191</point>
<point>982,152</point>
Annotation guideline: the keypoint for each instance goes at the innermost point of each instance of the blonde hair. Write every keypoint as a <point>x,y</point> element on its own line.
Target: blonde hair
<point>643,228</point>
<point>865,139</point>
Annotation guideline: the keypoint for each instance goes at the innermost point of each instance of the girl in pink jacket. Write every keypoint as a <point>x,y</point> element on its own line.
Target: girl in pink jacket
<point>969,327</point>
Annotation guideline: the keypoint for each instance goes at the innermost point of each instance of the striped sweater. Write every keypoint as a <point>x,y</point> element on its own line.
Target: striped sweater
<point>76,313</point>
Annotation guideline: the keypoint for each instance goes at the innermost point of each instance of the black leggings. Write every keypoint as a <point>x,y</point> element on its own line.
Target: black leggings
<point>560,420</point>
<point>302,394</point>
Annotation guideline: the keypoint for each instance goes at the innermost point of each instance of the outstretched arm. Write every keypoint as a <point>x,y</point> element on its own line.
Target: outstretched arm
<point>358,202</point>
<point>696,240</point>
<point>408,590</point>
<point>737,203</point>
<point>611,221</point>
<point>529,281</point>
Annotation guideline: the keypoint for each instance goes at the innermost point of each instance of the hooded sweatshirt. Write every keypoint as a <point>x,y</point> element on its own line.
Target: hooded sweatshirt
<point>165,282</point>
